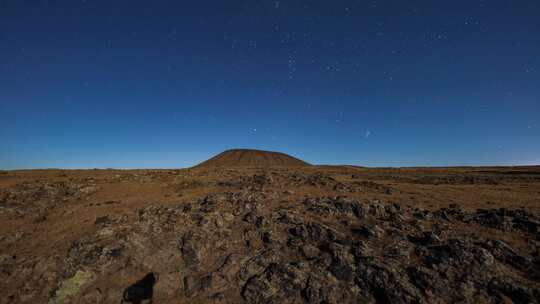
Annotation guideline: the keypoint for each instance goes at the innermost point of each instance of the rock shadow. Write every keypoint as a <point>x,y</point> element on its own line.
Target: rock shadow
<point>142,290</point>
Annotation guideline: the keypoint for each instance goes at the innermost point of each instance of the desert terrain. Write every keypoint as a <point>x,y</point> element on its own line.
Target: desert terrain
<point>257,227</point>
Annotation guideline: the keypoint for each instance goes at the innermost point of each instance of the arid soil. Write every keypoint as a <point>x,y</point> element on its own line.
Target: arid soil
<point>313,234</point>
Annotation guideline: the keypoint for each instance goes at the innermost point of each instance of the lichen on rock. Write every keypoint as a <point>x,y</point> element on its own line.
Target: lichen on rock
<point>72,286</point>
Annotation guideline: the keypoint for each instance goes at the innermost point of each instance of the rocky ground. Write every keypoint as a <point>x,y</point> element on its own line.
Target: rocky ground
<point>274,235</point>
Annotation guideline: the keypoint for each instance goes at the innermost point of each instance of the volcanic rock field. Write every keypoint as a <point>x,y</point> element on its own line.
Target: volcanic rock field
<point>262,227</point>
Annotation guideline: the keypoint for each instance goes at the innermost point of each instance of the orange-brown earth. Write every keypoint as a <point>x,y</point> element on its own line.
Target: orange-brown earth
<point>252,158</point>
<point>296,233</point>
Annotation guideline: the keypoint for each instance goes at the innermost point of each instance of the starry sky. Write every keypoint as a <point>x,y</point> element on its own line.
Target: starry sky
<point>167,84</point>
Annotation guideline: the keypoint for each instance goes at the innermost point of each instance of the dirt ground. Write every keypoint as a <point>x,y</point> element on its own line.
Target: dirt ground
<point>84,236</point>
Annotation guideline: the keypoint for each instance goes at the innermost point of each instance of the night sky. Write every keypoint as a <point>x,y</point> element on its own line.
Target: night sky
<point>165,84</point>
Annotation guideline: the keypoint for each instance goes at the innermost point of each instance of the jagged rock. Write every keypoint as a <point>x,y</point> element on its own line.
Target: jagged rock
<point>427,238</point>
<point>310,251</point>
<point>102,221</point>
<point>518,294</point>
<point>257,244</point>
<point>72,286</point>
<point>334,206</point>
<point>278,283</point>
<point>490,218</point>
<point>526,224</point>
<point>506,254</point>
<point>192,249</point>
<point>366,231</point>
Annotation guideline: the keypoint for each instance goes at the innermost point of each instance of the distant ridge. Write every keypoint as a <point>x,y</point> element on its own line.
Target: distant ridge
<point>252,158</point>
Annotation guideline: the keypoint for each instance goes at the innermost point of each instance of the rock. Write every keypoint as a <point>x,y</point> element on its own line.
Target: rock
<point>508,288</point>
<point>258,291</point>
<point>102,221</point>
<point>256,265</point>
<point>490,218</point>
<point>310,251</point>
<point>316,291</point>
<point>230,268</point>
<point>341,270</point>
<point>72,286</point>
<point>277,283</point>
<point>427,238</point>
<point>366,231</point>
<point>261,245</point>
<point>422,278</point>
<point>526,224</point>
<point>208,284</point>
<point>192,249</point>
<point>387,285</point>
<point>342,265</point>
<point>251,217</point>
<point>267,238</point>
<point>506,254</point>
<point>421,214</point>
<point>334,206</point>
<point>191,286</point>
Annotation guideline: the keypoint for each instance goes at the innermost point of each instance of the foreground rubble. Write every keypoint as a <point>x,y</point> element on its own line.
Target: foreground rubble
<point>258,241</point>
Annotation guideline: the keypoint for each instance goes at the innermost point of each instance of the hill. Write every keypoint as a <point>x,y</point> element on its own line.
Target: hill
<point>252,158</point>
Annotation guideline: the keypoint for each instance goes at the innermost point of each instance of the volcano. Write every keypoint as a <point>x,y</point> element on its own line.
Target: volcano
<point>252,158</point>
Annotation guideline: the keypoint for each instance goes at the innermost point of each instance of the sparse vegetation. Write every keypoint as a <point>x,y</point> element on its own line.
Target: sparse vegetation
<point>272,235</point>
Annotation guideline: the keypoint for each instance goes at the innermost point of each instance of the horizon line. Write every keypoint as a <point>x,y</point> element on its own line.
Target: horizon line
<point>312,165</point>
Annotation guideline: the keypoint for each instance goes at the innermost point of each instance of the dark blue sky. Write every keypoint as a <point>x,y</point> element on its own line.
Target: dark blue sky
<point>170,83</point>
